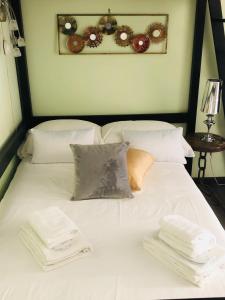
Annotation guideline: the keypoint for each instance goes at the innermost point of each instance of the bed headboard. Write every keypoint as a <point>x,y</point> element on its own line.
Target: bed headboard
<point>189,117</point>
<point>104,119</point>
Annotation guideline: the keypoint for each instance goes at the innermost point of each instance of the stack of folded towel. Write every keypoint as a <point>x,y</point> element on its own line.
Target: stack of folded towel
<point>186,248</point>
<point>53,238</point>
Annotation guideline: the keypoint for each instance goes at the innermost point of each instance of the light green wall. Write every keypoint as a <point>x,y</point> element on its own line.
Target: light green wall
<point>108,84</point>
<point>10,112</point>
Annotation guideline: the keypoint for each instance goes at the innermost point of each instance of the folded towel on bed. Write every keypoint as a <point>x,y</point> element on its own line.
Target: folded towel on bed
<point>194,272</point>
<point>191,238</point>
<point>54,228</point>
<point>198,253</point>
<point>50,259</point>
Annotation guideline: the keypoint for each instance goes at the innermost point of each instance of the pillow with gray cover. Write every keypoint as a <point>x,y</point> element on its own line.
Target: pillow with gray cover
<point>101,171</point>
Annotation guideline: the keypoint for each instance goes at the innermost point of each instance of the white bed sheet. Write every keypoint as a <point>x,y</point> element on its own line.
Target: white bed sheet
<point>119,268</point>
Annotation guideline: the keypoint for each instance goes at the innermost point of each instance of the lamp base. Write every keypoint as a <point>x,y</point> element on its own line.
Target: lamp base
<point>208,138</point>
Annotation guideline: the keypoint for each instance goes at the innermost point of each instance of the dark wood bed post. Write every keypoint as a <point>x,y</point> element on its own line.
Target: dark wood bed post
<point>218,22</point>
<point>196,68</point>
<point>22,71</point>
<point>196,63</point>
<point>8,150</point>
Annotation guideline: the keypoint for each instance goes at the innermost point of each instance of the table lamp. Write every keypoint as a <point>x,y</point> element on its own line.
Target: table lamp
<point>211,104</point>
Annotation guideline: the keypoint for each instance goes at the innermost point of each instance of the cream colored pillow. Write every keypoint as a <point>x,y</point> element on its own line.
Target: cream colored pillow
<point>138,164</point>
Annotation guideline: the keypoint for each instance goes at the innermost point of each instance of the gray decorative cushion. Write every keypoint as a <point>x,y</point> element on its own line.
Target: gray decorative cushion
<point>101,171</point>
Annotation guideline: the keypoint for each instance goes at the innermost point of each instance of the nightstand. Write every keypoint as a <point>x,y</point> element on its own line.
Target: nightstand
<point>205,147</point>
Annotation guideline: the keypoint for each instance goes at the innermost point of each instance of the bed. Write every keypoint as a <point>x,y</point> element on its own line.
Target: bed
<point>119,268</point>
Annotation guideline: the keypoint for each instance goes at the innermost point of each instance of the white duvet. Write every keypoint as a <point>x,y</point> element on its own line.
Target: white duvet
<point>119,268</point>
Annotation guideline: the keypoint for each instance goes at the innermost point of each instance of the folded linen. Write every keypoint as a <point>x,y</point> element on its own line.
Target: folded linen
<point>54,228</point>
<point>194,272</point>
<point>50,259</point>
<point>198,253</point>
<point>188,232</point>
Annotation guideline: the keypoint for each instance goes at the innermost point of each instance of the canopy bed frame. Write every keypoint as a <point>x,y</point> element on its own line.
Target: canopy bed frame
<point>28,119</point>
<point>8,151</point>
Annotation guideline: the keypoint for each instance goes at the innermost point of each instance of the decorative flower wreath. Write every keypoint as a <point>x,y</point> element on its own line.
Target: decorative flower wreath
<point>75,43</point>
<point>157,32</point>
<point>123,35</point>
<point>67,25</point>
<point>92,36</point>
<point>107,24</point>
<point>140,43</point>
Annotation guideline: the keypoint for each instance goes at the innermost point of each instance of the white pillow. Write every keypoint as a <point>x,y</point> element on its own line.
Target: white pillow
<point>54,146</point>
<point>112,132</point>
<point>26,149</point>
<point>164,145</point>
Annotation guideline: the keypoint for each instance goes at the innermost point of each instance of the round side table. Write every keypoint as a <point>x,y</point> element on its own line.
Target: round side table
<point>204,147</point>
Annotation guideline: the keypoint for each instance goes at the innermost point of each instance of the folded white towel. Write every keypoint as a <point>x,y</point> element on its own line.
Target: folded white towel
<point>198,253</point>
<point>187,231</point>
<point>50,259</point>
<point>194,272</point>
<point>53,226</point>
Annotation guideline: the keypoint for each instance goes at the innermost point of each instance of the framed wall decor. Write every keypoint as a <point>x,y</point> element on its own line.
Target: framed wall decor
<point>82,34</point>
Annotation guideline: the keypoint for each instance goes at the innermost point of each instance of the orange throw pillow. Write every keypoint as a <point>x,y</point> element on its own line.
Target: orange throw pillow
<point>138,163</point>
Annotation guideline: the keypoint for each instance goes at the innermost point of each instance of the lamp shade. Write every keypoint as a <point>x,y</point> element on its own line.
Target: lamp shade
<point>212,96</point>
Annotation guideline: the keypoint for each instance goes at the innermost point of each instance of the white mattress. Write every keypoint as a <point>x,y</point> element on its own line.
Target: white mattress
<point>119,268</point>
